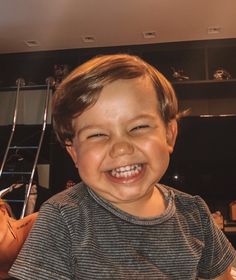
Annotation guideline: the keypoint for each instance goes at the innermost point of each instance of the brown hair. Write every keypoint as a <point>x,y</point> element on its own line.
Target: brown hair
<point>82,87</point>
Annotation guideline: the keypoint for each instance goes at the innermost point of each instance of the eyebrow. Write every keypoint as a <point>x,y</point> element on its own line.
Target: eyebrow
<point>142,116</point>
<point>86,127</point>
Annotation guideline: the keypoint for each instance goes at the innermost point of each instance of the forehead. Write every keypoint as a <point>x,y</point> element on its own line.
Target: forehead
<point>126,94</point>
<point>122,100</point>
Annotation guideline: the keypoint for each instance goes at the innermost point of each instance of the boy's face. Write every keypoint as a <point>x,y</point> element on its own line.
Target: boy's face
<point>122,145</point>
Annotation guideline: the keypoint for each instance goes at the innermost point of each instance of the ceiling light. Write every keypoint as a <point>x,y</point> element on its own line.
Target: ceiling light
<point>149,34</point>
<point>88,38</point>
<point>32,43</point>
<point>213,29</point>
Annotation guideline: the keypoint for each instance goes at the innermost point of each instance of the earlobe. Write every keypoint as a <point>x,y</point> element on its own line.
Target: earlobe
<point>171,134</point>
<point>72,152</point>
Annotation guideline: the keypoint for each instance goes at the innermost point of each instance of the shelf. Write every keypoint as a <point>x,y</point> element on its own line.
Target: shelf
<point>230,230</point>
<point>14,88</point>
<point>194,82</point>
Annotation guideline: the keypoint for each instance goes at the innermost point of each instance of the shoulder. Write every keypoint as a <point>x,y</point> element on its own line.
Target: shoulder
<point>73,195</point>
<point>193,207</point>
<point>187,200</point>
<point>67,204</point>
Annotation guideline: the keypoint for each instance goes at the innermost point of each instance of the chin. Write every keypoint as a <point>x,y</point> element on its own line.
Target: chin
<point>129,193</point>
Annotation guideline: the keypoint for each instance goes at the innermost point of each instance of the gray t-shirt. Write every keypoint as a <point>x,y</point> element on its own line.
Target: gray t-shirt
<point>78,235</point>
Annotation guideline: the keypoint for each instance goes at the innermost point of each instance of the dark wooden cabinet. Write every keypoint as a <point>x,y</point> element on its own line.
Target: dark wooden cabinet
<point>201,92</point>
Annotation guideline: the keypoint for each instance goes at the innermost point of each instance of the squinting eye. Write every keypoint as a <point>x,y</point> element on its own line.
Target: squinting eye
<point>97,135</point>
<point>140,127</point>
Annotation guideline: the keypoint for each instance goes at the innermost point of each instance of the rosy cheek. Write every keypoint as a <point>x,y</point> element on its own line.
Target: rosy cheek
<point>147,145</point>
<point>89,154</point>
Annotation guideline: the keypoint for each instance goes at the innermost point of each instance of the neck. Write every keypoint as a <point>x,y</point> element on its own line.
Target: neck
<point>149,206</point>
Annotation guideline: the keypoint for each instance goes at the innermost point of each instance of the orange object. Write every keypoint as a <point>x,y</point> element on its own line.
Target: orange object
<point>232,206</point>
<point>13,234</point>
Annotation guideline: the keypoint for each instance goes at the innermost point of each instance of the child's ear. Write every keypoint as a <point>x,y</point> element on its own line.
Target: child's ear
<point>72,152</point>
<point>171,134</point>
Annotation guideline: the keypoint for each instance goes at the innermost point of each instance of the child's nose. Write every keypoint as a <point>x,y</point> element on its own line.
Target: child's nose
<point>121,148</point>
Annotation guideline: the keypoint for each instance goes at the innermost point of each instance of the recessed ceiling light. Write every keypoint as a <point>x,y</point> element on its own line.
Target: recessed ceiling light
<point>88,38</point>
<point>149,34</point>
<point>32,43</point>
<point>213,29</point>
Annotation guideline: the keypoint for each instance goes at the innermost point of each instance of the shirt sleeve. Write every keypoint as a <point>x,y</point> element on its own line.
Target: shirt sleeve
<point>218,253</point>
<point>46,253</point>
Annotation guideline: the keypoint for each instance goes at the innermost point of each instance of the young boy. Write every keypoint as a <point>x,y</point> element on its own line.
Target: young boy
<point>117,117</point>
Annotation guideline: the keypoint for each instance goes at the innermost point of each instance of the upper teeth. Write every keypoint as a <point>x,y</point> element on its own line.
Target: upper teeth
<point>125,171</point>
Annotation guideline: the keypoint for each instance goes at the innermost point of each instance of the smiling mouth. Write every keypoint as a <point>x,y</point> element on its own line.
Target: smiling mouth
<point>126,171</point>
